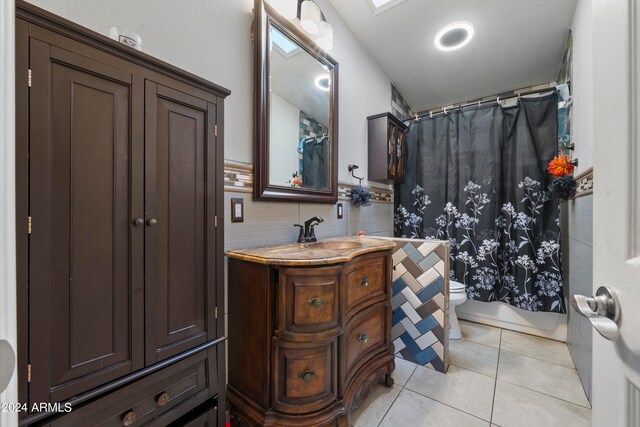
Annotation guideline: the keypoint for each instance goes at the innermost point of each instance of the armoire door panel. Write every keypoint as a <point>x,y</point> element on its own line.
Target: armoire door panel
<point>83,150</point>
<point>175,253</point>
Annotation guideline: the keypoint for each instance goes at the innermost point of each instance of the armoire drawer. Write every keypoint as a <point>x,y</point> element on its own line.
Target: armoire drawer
<point>363,334</point>
<point>305,376</point>
<point>310,303</point>
<point>143,401</point>
<point>365,280</point>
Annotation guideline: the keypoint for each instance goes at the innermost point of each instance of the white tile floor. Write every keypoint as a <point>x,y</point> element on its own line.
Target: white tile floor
<point>496,378</point>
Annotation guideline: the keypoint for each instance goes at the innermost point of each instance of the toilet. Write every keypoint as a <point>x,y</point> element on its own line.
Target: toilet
<point>457,295</point>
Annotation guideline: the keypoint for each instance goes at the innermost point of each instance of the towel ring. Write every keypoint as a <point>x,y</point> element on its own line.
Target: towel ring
<point>351,169</point>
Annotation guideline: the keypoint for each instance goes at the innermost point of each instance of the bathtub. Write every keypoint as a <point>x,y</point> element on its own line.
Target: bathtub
<point>543,324</point>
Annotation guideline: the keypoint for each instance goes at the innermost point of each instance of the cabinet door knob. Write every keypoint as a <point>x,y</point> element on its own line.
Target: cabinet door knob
<point>138,222</point>
<point>163,399</point>
<point>152,222</point>
<point>364,282</point>
<point>129,418</point>
<point>363,338</point>
<point>306,375</point>
<point>317,302</point>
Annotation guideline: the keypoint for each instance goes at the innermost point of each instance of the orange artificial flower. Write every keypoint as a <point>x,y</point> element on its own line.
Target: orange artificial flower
<point>560,166</point>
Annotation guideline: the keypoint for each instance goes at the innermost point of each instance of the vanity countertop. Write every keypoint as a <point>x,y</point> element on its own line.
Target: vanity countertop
<point>305,254</point>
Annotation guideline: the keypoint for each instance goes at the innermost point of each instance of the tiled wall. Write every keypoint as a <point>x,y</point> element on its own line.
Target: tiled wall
<point>577,253</point>
<point>399,106</point>
<point>420,302</point>
<point>271,223</point>
<point>310,126</point>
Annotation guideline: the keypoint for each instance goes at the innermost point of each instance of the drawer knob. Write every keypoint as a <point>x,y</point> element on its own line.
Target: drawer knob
<point>306,375</point>
<point>363,338</point>
<point>364,282</point>
<point>163,399</point>
<point>129,418</point>
<point>317,302</point>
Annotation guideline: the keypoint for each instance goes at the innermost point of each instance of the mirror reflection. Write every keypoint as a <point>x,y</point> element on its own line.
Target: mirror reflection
<point>299,116</point>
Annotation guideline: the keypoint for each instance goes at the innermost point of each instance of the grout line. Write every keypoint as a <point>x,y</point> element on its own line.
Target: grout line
<point>459,367</point>
<point>415,368</point>
<point>468,369</point>
<point>553,397</point>
<point>445,404</point>
<point>495,383</point>
<point>573,368</point>
<point>474,342</point>
<point>390,406</point>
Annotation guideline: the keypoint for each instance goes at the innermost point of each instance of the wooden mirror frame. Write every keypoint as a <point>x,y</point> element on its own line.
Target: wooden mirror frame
<point>265,15</point>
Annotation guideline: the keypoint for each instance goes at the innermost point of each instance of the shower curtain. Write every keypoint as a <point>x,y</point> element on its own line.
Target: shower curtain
<point>477,178</point>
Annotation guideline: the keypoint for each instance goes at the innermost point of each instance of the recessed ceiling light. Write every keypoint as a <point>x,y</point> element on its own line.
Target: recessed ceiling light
<point>323,82</point>
<point>454,36</point>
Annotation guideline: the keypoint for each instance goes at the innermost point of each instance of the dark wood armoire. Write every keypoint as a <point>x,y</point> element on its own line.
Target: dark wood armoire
<point>119,160</point>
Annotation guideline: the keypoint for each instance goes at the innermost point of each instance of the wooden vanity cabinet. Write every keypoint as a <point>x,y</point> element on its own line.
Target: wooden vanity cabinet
<point>307,343</point>
<point>387,148</point>
<point>119,183</point>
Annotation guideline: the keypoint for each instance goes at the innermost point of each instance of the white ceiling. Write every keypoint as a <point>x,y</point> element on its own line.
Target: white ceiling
<point>517,43</point>
<point>293,79</point>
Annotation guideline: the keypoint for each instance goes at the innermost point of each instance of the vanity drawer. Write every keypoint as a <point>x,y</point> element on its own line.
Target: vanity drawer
<point>309,302</point>
<point>305,376</point>
<point>365,333</point>
<point>365,280</point>
<point>187,382</point>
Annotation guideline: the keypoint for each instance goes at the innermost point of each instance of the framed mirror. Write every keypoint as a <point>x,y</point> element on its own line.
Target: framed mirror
<point>296,113</point>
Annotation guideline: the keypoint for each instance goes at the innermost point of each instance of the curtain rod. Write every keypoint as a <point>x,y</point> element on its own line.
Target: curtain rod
<point>499,98</point>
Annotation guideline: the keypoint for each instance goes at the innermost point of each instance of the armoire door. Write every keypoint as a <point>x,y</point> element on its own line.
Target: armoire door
<point>180,261</point>
<point>86,189</point>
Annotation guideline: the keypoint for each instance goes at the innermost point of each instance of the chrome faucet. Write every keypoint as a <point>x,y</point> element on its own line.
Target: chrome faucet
<point>307,233</point>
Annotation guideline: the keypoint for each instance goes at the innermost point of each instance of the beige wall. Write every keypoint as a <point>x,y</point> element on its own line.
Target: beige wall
<point>210,38</point>
<point>577,214</point>
<point>582,85</point>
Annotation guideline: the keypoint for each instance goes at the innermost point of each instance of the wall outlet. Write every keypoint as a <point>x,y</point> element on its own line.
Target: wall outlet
<point>237,210</point>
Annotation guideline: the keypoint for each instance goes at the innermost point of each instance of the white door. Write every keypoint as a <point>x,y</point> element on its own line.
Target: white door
<point>616,221</point>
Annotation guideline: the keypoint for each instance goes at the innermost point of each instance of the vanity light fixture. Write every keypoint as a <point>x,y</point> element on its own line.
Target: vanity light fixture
<point>454,36</point>
<point>325,36</point>
<point>310,17</point>
<point>323,82</point>
<point>286,8</point>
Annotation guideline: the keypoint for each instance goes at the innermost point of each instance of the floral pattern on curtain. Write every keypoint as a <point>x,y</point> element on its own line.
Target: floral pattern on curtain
<point>477,179</point>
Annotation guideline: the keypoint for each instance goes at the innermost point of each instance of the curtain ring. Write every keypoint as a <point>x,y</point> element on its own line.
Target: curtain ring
<point>498,99</point>
<point>431,114</point>
<point>479,103</point>
<point>445,110</point>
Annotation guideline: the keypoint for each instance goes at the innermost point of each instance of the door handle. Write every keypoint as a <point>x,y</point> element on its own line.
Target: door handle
<point>602,310</point>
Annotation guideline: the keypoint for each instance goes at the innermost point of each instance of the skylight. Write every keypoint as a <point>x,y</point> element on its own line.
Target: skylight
<point>283,43</point>
<point>380,3</point>
<point>379,6</point>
